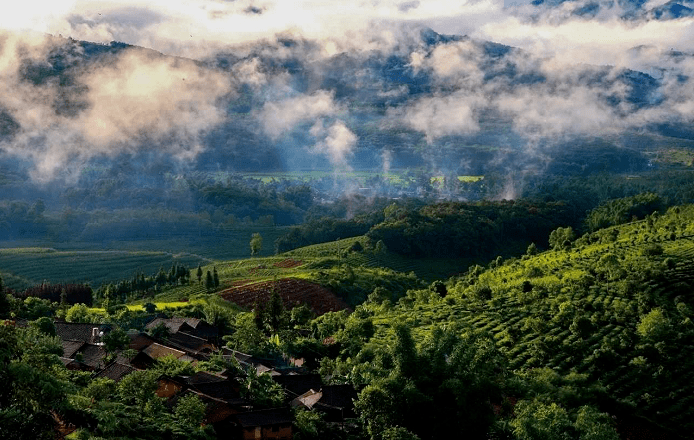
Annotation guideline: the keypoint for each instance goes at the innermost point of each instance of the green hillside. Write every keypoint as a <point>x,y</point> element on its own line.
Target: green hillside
<point>615,306</point>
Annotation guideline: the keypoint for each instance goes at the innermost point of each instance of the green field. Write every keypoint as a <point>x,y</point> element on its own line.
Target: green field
<point>399,177</point>
<point>24,267</point>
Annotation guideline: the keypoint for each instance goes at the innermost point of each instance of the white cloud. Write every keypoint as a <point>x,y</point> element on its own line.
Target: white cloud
<point>438,116</point>
<point>167,101</point>
<point>281,117</point>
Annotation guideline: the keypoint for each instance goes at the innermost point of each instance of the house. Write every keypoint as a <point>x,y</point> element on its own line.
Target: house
<point>191,344</point>
<point>336,401</point>
<point>268,424</point>
<point>92,355</point>
<point>221,395</point>
<point>249,361</point>
<point>156,351</point>
<point>116,371</point>
<point>192,326</point>
<point>74,365</point>
<point>71,347</point>
<point>140,341</point>
<point>297,384</point>
<point>73,331</point>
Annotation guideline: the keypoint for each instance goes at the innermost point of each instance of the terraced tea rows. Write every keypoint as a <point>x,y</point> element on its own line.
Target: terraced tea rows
<point>22,268</point>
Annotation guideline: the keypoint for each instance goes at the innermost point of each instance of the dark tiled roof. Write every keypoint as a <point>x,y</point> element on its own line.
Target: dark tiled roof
<point>298,384</point>
<point>188,342</point>
<point>116,371</point>
<point>247,360</point>
<point>92,355</point>
<point>140,341</point>
<point>308,399</point>
<point>155,351</point>
<point>203,377</point>
<point>226,390</point>
<point>337,402</point>
<point>193,326</point>
<point>71,347</point>
<point>78,332</point>
<point>66,361</point>
<point>280,416</point>
<point>338,396</point>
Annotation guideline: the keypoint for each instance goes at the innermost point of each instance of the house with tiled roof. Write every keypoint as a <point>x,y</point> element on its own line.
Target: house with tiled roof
<point>335,401</point>
<point>74,365</point>
<point>192,326</point>
<point>92,355</point>
<point>140,341</point>
<point>297,384</point>
<point>156,350</point>
<point>74,331</point>
<point>116,371</point>
<point>191,344</point>
<point>263,424</point>
<point>249,361</point>
<point>71,347</point>
<point>221,395</point>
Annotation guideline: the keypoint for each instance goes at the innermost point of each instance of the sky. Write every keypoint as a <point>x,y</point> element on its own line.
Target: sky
<point>194,28</point>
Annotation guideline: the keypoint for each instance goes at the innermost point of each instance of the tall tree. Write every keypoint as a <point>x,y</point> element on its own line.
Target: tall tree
<point>256,243</point>
<point>4,302</point>
<point>215,277</point>
<point>209,281</point>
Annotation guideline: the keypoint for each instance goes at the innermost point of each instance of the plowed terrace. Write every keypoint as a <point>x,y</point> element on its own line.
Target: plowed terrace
<point>292,291</point>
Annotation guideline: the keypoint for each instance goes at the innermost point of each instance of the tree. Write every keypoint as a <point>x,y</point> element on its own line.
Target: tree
<point>594,425</point>
<point>540,421</point>
<point>116,339</point>
<point>190,410</point>
<point>199,274</point>
<point>276,313</point>
<point>4,302</point>
<point>160,331</point>
<point>45,325</point>
<point>246,336</point>
<point>31,390</point>
<point>215,277</point>
<point>256,243</point>
<point>561,238</point>
<point>654,326</point>
<point>209,281</point>
<point>138,387</point>
<point>78,313</point>
<point>262,390</point>
<point>150,308</point>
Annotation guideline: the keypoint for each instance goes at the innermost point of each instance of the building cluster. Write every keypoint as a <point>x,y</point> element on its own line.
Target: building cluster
<point>194,340</point>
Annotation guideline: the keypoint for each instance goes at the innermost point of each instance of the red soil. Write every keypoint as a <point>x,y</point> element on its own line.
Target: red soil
<point>292,291</point>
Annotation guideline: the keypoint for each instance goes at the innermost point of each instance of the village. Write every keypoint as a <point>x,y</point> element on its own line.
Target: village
<point>193,341</point>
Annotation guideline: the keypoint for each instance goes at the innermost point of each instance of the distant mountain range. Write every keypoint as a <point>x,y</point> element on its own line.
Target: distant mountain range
<point>439,102</point>
<point>632,9</point>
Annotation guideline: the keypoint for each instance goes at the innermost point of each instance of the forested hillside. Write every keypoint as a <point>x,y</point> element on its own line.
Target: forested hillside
<point>590,339</point>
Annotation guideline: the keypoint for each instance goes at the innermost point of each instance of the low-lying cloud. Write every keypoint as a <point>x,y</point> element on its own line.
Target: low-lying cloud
<point>139,101</point>
<point>566,77</point>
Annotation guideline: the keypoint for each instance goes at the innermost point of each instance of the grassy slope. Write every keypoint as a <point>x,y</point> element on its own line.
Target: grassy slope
<point>323,264</point>
<point>540,327</point>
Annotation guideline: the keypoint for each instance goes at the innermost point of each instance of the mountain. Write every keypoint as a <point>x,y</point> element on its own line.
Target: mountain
<point>435,101</point>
